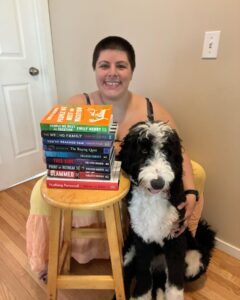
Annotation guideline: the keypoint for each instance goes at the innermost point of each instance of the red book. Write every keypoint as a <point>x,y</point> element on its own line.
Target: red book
<point>78,174</point>
<point>63,173</point>
<point>112,184</point>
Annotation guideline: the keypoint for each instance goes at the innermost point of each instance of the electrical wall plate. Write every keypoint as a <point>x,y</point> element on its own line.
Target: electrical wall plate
<point>211,43</point>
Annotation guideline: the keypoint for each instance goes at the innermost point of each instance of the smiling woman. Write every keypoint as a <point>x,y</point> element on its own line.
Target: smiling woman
<point>114,64</point>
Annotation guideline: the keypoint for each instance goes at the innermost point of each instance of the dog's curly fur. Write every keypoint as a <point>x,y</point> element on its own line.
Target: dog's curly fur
<point>151,154</point>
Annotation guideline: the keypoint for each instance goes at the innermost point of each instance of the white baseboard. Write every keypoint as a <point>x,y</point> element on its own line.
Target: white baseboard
<point>33,177</point>
<point>228,248</point>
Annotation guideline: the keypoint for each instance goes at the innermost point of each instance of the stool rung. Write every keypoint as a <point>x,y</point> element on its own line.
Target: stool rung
<point>98,282</point>
<point>97,233</point>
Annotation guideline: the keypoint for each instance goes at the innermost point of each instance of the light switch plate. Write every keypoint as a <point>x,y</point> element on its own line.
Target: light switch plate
<point>211,43</point>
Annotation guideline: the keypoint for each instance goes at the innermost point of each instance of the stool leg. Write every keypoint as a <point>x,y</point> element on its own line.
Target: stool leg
<point>115,251</point>
<point>54,241</point>
<point>119,224</point>
<point>67,238</point>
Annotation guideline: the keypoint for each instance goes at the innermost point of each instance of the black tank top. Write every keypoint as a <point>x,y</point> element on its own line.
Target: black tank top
<point>150,114</point>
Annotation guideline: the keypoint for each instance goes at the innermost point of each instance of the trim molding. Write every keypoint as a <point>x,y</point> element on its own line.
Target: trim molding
<point>44,173</point>
<point>228,248</point>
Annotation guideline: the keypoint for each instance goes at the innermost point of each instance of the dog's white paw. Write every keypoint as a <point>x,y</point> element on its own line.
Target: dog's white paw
<point>160,294</point>
<point>194,264</point>
<point>173,293</point>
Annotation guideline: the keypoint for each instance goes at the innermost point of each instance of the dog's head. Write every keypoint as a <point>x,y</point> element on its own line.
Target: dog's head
<point>151,154</point>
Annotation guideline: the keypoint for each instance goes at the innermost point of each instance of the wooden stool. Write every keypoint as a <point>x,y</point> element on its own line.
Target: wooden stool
<point>66,200</point>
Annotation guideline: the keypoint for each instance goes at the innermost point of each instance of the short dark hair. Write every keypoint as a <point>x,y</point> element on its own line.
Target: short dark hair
<point>114,43</point>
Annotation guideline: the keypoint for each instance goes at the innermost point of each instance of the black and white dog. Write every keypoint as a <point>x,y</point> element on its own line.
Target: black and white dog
<point>151,154</point>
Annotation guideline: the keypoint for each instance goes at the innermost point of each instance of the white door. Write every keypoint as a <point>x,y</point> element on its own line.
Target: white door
<point>25,94</point>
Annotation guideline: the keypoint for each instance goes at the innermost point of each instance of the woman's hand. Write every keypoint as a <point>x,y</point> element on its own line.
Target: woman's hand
<point>189,206</point>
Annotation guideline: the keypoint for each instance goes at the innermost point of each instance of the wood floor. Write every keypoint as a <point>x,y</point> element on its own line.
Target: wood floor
<point>222,282</point>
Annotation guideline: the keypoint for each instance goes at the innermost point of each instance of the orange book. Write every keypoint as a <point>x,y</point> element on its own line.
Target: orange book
<point>83,118</point>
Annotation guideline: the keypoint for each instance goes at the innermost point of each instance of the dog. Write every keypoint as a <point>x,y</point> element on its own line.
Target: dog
<point>160,262</point>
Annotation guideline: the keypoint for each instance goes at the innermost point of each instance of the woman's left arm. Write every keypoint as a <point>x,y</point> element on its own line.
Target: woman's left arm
<point>191,199</point>
<point>161,114</point>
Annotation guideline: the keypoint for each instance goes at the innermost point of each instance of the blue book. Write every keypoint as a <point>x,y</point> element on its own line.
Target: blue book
<point>79,149</point>
<point>65,154</point>
<point>77,142</point>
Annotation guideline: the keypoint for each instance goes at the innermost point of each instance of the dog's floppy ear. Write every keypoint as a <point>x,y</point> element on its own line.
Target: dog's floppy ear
<point>129,148</point>
<point>175,141</point>
<point>126,152</point>
<point>173,149</point>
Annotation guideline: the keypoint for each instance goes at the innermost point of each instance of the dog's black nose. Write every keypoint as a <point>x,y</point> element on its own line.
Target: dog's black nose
<point>157,184</point>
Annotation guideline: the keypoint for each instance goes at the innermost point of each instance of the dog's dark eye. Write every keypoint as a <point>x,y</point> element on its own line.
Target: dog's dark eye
<point>144,145</point>
<point>144,151</point>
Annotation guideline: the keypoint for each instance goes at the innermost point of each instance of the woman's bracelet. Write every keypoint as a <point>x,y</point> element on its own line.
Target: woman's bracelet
<point>193,192</point>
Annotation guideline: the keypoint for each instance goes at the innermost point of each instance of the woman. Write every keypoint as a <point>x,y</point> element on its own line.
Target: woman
<point>113,63</point>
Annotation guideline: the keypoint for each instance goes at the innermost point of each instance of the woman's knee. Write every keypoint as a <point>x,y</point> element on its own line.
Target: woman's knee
<point>38,206</point>
<point>199,176</point>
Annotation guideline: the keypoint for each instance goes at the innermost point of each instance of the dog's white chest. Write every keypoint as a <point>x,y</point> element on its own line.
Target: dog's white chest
<point>152,216</point>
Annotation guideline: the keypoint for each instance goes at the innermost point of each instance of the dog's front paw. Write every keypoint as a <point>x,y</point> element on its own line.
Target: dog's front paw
<point>173,293</point>
<point>160,295</point>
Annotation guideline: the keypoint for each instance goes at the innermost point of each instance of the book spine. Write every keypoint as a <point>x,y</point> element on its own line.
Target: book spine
<point>66,154</point>
<point>86,115</point>
<point>77,184</point>
<point>79,168</point>
<point>77,142</point>
<point>77,135</point>
<point>94,175</point>
<point>79,149</point>
<point>63,167</point>
<point>74,128</point>
<point>77,174</point>
<point>77,162</point>
<point>63,173</point>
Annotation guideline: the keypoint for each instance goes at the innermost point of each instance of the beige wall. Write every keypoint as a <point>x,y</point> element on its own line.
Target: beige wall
<point>202,95</point>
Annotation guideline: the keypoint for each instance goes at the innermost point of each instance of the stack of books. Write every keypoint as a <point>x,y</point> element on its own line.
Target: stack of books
<point>78,144</point>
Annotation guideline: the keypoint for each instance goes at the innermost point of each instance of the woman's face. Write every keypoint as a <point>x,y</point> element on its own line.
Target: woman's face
<point>113,73</point>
